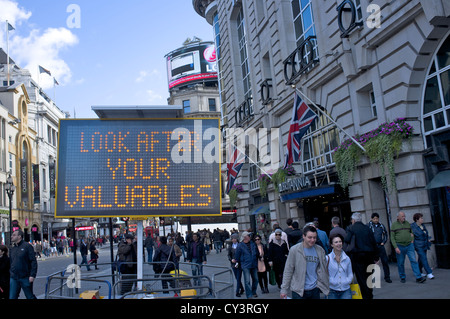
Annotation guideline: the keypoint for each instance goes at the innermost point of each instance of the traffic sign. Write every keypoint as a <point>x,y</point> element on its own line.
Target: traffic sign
<point>138,167</point>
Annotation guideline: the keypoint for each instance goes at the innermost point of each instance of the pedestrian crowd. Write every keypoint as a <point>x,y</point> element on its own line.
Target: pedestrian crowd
<point>308,262</point>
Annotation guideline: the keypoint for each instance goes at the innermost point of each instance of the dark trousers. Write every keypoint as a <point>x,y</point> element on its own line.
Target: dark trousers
<point>360,262</point>
<point>262,278</point>
<point>384,261</point>
<point>21,283</point>
<point>307,294</point>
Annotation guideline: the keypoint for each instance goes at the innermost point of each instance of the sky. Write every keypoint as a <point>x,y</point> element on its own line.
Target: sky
<point>100,52</point>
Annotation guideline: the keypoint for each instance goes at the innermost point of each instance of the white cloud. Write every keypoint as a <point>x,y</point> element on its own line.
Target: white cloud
<point>38,47</point>
<point>144,74</point>
<point>141,77</point>
<point>154,97</point>
<point>11,12</point>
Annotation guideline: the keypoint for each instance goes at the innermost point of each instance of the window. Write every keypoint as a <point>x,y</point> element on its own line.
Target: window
<point>373,105</point>
<point>244,63</point>
<point>303,20</point>
<point>187,106</point>
<point>319,143</point>
<point>365,99</point>
<point>212,105</point>
<point>44,179</point>
<point>436,97</point>
<point>216,27</point>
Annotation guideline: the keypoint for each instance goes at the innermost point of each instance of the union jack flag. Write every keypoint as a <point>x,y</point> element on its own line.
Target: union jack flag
<point>234,164</point>
<point>302,118</point>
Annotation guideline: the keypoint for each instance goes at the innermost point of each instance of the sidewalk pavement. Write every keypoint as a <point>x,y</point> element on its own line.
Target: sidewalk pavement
<point>437,288</point>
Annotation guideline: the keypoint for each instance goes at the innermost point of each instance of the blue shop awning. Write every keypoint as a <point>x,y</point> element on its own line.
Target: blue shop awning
<point>264,209</point>
<point>312,192</point>
<point>441,179</point>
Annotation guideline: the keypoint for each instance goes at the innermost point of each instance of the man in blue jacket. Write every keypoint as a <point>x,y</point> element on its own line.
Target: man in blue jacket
<point>246,256</point>
<point>23,267</point>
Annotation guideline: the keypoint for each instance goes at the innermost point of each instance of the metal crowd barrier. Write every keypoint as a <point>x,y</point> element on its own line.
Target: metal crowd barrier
<point>212,282</point>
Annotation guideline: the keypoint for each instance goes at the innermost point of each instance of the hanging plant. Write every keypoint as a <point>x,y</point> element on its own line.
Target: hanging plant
<point>281,175</point>
<point>346,157</point>
<point>264,181</point>
<point>382,145</point>
<point>233,193</point>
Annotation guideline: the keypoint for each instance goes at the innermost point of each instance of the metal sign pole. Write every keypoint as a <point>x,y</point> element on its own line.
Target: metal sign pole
<point>140,253</point>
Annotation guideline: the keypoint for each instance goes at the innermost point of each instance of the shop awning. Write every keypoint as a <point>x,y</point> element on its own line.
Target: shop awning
<point>312,192</point>
<point>441,179</point>
<point>264,209</point>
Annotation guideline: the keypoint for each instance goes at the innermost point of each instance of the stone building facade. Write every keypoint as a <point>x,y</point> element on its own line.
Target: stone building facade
<point>363,63</point>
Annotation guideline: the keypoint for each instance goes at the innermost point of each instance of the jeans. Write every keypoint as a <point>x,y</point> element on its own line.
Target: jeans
<point>384,261</point>
<point>149,254</point>
<point>218,246</point>
<point>307,294</point>
<point>336,294</point>
<point>423,261</point>
<point>250,273</point>
<point>17,284</point>
<point>407,251</point>
<point>84,261</point>
<point>197,270</point>
<point>238,274</point>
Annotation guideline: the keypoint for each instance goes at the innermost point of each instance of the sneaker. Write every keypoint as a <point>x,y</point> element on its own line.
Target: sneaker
<point>420,280</point>
<point>403,280</point>
<point>430,276</point>
<point>388,280</point>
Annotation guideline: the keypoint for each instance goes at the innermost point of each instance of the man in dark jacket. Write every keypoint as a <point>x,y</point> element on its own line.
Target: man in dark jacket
<point>84,253</point>
<point>363,254</point>
<point>196,255</point>
<point>165,256</point>
<point>127,252</point>
<point>23,267</point>
<point>381,236</point>
<point>295,235</point>
<point>247,255</point>
<point>149,243</point>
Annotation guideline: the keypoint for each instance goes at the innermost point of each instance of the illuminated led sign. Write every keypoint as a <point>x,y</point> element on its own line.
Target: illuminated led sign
<point>168,167</point>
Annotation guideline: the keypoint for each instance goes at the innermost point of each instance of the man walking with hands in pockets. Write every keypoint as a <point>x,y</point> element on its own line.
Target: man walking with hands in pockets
<point>305,272</point>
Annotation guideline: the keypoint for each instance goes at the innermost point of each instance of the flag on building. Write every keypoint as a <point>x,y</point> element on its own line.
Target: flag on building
<point>10,27</point>
<point>55,82</point>
<point>302,118</point>
<point>44,70</point>
<point>234,165</point>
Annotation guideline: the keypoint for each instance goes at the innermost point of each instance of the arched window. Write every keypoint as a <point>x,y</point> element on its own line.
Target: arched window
<point>436,98</point>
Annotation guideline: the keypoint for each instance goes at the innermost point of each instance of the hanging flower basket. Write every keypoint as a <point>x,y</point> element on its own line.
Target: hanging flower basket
<point>281,175</point>
<point>382,146</point>
<point>264,181</point>
<point>233,193</point>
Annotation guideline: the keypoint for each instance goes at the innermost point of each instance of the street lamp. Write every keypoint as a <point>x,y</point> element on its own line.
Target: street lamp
<point>10,188</point>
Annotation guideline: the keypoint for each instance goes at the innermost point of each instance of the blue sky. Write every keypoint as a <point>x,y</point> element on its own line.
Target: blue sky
<point>101,52</point>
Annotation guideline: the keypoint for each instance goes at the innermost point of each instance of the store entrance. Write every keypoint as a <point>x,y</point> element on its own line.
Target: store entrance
<point>326,207</point>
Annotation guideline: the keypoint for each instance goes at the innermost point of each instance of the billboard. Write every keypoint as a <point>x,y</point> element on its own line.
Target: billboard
<point>191,64</point>
<point>138,167</point>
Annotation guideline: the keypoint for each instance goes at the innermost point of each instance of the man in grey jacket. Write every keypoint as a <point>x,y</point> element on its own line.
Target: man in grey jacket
<point>305,273</point>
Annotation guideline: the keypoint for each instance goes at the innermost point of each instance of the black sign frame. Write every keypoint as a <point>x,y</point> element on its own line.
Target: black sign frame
<point>97,190</point>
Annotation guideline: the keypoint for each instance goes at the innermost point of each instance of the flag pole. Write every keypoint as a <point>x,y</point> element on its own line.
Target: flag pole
<point>252,161</point>
<point>329,118</point>
<point>7,50</point>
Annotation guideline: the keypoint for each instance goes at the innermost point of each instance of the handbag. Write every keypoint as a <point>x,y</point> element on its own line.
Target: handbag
<point>356,291</point>
<point>272,278</point>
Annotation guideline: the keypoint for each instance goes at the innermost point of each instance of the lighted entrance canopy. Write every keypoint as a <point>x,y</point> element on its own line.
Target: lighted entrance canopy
<point>138,167</point>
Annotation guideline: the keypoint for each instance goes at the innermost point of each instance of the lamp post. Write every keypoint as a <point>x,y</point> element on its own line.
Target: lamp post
<point>10,188</point>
